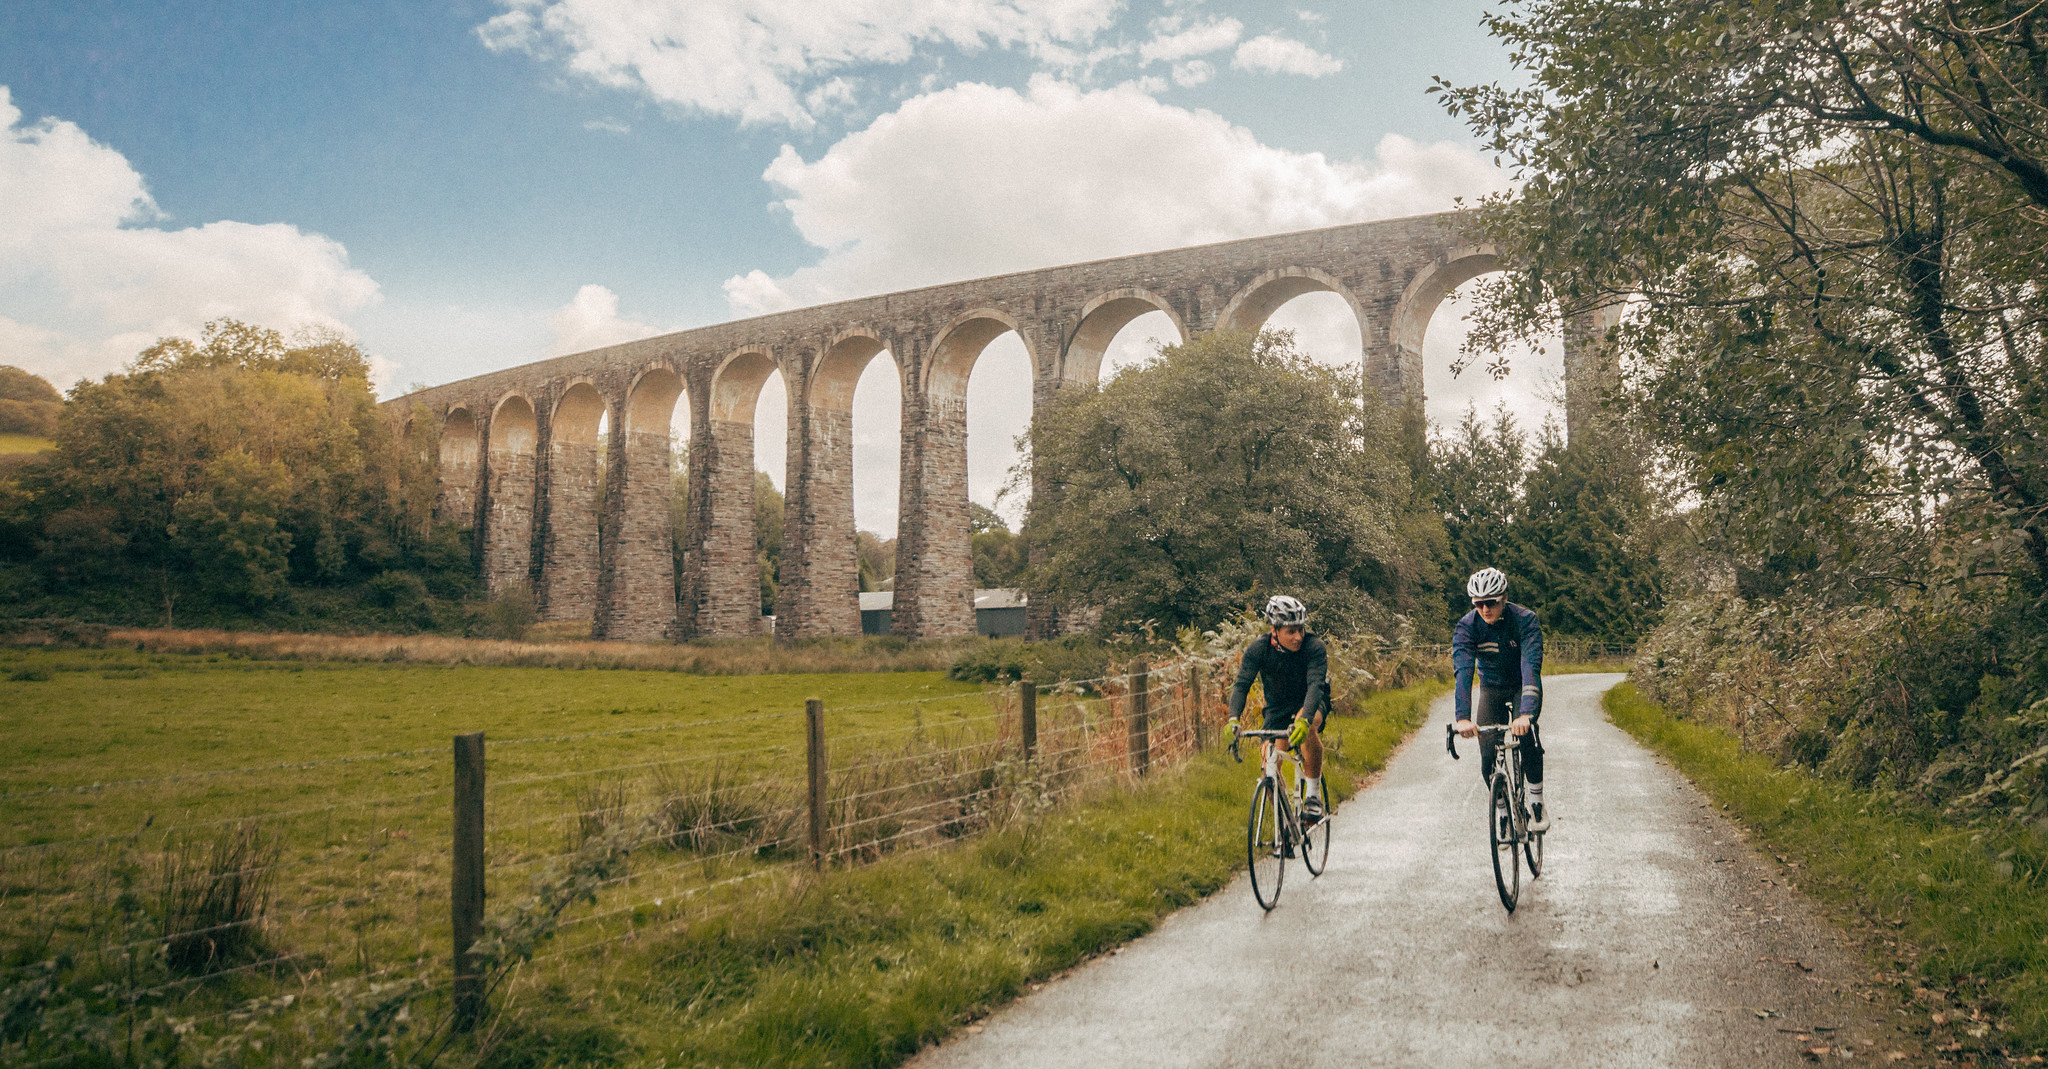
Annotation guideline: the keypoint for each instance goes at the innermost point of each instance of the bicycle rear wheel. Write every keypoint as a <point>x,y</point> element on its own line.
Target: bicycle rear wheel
<point>1264,836</point>
<point>1500,832</point>
<point>1315,842</point>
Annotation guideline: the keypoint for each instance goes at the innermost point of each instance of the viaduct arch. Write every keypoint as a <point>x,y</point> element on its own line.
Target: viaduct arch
<point>522,457</point>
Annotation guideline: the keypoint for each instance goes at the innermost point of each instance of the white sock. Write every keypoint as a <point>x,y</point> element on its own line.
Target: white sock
<point>1535,792</point>
<point>1315,788</point>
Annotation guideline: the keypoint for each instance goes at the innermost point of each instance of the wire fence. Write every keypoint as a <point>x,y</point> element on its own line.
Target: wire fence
<point>181,890</point>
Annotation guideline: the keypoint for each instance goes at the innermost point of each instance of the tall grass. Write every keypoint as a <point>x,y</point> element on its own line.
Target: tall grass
<point>1973,903</point>
<point>716,657</point>
<point>213,896</point>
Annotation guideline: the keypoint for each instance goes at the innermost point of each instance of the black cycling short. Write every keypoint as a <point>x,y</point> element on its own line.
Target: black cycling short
<point>1282,719</point>
<point>1497,705</point>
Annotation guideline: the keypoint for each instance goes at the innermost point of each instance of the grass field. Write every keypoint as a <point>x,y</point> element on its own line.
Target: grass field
<point>1964,911</point>
<point>11,444</point>
<point>119,766</point>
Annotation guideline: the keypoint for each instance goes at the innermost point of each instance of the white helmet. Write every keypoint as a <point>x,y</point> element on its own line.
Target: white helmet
<point>1486,583</point>
<point>1282,610</point>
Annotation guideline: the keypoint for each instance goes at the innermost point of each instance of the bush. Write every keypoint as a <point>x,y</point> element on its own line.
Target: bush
<point>510,615</point>
<point>402,591</point>
<point>1074,657</point>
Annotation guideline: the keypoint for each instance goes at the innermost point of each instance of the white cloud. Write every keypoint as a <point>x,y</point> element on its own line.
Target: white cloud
<point>1193,73</point>
<point>607,126</point>
<point>752,59</point>
<point>976,180</point>
<point>1172,43</point>
<point>591,320</point>
<point>1273,54</point>
<point>85,284</point>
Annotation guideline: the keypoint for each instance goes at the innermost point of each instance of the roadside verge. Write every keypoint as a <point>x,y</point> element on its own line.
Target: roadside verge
<point>863,967</point>
<point>1960,913</point>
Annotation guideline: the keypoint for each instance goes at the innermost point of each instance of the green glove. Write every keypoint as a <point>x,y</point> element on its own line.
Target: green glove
<point>1298,732</point>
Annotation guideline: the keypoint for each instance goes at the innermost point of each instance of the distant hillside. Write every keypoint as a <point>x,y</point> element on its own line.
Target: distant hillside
<point>28,407</point>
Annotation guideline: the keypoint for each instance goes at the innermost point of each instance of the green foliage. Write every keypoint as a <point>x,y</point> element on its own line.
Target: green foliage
<point>1975,901</point>
<point>1061,660</point>
<point>1828,219</point>
<point>999,554</point>
<point>28,403</point>
<point>1226,469</point>
<point>768,538</point>
<point>877,559</point>
<point>1576,530</point>
<point>238,477</point>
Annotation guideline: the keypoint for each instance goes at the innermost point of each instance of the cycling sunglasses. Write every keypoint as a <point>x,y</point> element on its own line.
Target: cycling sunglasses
<point>1485,603</point>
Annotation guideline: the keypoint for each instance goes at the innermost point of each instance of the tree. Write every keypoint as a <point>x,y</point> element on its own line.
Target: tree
<point>1829,218</point>
<point>877,559</point>
<point>768,537</point>
<point>1585,551</point>
<point>1228,468</point>
<point>28,403</point>
<point>1476,474</point>
<point>999,554</point>
<point>225,471</point>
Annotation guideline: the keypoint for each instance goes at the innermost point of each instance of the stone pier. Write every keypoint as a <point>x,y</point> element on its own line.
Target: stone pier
<point>533,481</point>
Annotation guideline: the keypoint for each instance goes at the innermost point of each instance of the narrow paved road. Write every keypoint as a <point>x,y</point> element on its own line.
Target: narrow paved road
<point>1656,937</point>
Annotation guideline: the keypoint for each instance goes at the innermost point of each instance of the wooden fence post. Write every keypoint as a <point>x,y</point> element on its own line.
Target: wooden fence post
<point>467,887</point>
<point>814,745</point>
<point>1027,701</point>
<point>1141,741</point>
<point>1195,688</point>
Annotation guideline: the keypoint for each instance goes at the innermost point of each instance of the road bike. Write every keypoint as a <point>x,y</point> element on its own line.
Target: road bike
<point>1273,831</point>
<point>1507,813</point>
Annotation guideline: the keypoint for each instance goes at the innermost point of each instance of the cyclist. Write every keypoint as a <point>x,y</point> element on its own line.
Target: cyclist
<point>1503,642</point>
<point>1294,668</point>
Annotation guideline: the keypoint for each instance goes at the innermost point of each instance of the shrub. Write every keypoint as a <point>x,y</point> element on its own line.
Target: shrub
<point>212,897</point>
<point>509,615</point>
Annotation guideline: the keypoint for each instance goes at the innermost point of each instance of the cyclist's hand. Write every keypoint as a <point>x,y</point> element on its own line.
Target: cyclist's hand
<point>1298,732</point>
<point>1468,729</point>
<point>1520,726</point>
<point>1233,727</point>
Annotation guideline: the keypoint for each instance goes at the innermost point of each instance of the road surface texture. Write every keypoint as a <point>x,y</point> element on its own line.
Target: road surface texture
<point>1656,937</point>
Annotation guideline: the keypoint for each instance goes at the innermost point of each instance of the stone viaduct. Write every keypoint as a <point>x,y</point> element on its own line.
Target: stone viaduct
<point>522,459</point>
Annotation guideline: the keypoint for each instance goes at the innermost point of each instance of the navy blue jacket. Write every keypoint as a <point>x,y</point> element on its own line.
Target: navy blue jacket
<point>1506,654</point>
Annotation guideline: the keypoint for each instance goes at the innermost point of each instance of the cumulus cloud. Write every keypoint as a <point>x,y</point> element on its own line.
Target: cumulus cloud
<point>754,60</point>
<point>591,320</point>
<point>976,180</point>
<point>1273,54</point>
<point>1173,43</point>
<point>86,281</point>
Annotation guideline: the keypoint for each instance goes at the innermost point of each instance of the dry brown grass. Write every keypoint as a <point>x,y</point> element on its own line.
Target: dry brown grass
<point>702,657</point>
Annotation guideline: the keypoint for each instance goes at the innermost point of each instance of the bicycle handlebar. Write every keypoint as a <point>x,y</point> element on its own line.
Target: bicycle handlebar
<point>1451,736</point>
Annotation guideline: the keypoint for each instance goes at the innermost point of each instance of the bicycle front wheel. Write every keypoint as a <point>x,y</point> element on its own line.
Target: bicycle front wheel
<point>1264,840</point>
<point>1500,831</point>
<point>1315,841</point>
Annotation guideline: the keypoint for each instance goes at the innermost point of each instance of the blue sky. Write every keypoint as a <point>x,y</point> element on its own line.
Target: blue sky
<point>471,185</point>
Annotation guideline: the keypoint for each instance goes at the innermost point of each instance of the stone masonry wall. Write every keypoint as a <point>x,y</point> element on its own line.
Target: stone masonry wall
<point>935,567</point>
<point>1390,271</point>
<point>640,604</point>
<point>568,574</point>
<point>731,605</point>
<point>508,521</point>
<point>820,592</point>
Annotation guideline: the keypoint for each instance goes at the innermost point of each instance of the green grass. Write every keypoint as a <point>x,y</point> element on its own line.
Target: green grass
<point>857,966</point>
<point>10,444</point>
<point>347,766</point>
<point>865,966</point>
<point>1974,903</point>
